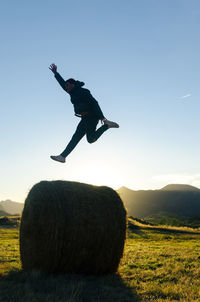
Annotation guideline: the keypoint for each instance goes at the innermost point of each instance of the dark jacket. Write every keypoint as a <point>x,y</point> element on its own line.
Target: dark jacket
<point>82,99</point>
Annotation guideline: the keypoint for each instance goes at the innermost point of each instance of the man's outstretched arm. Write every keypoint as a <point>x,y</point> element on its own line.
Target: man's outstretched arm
<point>58,77</point>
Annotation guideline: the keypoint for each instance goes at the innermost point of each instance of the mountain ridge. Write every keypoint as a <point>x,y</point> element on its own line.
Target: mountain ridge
<point>11,207</point>
<point>180,199</point>
<point>169,187</point>
<point>180,187</point>
<point>167,200</point>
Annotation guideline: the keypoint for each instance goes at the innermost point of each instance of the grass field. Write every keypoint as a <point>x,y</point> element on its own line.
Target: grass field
<point>158,265</point>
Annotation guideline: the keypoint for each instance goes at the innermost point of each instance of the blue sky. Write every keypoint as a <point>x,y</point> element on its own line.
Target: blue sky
<point>140,60</point>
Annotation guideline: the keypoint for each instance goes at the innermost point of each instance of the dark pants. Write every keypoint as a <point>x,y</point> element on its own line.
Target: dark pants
<point>86,126</point>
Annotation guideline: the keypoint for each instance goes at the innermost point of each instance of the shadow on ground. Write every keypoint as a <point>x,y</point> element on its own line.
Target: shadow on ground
<point>19,286</point>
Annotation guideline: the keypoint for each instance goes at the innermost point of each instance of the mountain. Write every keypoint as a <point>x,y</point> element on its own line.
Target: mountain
<point>11,207</point>
<point>177,187</point>
<point>3,213</point>
<point>181,200</point>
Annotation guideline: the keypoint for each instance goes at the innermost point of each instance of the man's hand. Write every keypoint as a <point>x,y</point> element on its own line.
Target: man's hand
<point>53,68</point>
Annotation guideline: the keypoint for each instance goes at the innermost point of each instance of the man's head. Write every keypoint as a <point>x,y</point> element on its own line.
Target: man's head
<point>70,85</point>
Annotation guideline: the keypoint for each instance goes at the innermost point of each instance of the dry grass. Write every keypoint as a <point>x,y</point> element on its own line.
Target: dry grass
<point>164,228</point>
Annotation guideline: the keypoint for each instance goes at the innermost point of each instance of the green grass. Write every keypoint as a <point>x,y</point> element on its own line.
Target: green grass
<point>157,266</point>
<point>9,250</point>
<point>163,267</point>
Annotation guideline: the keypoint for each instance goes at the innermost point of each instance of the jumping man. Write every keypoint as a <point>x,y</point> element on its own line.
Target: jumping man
<point>85,107</point>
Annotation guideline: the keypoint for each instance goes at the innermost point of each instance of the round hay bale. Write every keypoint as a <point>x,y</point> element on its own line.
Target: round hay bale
<point>71,227</point>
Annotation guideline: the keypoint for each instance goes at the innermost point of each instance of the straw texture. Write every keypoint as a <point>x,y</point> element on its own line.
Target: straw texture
<point>71,227</point>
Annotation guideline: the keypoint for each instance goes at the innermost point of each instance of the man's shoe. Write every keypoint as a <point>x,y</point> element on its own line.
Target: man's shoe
<point>59,158</point>
<point>111,124</point>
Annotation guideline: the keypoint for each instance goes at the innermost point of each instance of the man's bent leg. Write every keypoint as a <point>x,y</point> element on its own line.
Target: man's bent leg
<point>92,133</point>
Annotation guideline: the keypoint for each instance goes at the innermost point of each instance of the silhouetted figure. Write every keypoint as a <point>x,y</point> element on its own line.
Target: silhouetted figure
<point>85,107</point>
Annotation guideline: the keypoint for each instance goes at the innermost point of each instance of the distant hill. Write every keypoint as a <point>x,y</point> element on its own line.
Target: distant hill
<point>3,213</point>
<point>177,187</point>
<point>178,200</point>
<point>11,207</point>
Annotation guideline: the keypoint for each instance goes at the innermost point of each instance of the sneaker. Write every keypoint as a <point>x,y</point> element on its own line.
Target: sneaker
<point>59,158</point>
<point>111,124</point>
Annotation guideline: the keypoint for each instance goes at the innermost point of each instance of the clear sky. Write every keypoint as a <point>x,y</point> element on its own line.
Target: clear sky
<point>141,61</point>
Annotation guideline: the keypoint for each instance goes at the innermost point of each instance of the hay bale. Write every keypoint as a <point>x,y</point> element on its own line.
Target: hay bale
<point>71,227</point>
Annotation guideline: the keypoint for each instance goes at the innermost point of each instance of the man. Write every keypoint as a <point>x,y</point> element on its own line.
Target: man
<point>85,107</point>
